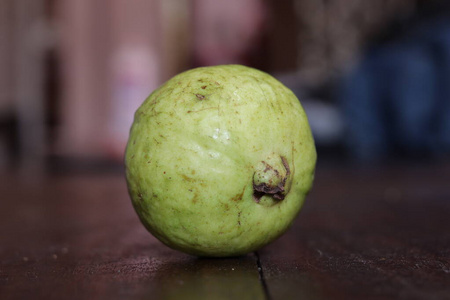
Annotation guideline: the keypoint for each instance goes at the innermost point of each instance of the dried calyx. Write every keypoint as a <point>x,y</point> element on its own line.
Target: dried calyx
<point>271,178</point>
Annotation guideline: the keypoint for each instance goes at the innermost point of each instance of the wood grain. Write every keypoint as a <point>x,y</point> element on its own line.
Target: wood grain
<point>378,233</point>
<point>77,237</point>
<point>367,234</point>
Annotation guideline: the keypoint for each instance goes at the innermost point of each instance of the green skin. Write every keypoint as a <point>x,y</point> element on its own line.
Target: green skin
<point>219,160</point>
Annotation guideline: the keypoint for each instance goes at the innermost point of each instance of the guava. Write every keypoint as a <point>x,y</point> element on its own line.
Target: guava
<point>219,160</point>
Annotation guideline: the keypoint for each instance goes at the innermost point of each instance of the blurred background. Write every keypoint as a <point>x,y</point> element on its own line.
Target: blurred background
<point>373,76</point>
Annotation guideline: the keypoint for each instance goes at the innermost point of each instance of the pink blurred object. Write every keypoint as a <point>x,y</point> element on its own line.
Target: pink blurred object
<point>135,76</point>
<point>225,31</point>
<point>111,61</point>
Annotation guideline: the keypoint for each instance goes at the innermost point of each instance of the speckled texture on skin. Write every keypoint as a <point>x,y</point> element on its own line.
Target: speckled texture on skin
<point>196,147</point>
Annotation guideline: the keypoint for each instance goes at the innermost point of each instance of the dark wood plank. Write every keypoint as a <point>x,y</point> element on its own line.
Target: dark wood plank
<point>379,233</point>
<point>77,237</point>
<point>363,234</point>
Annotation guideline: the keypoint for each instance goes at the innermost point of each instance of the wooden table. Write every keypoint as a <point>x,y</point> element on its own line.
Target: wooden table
<point>364,233</point>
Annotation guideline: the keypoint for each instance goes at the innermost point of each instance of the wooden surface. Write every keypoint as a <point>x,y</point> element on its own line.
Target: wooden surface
<point>376,233</point>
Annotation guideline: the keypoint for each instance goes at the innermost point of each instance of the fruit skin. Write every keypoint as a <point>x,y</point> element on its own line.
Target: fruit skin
<point>202,150</point>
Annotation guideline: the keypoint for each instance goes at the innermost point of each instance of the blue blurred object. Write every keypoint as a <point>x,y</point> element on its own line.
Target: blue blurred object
<point>397,99</point>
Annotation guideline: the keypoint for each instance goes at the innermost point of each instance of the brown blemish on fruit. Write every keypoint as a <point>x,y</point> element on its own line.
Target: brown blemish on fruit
<point>239,196</point>
<point>204,87</point>
<point>200,96</point>
<point>239,218</point>
<point>213,107</point>
<point>187,178</point>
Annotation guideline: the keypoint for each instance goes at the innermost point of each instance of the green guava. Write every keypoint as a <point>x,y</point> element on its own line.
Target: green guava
<point>219,160</point>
